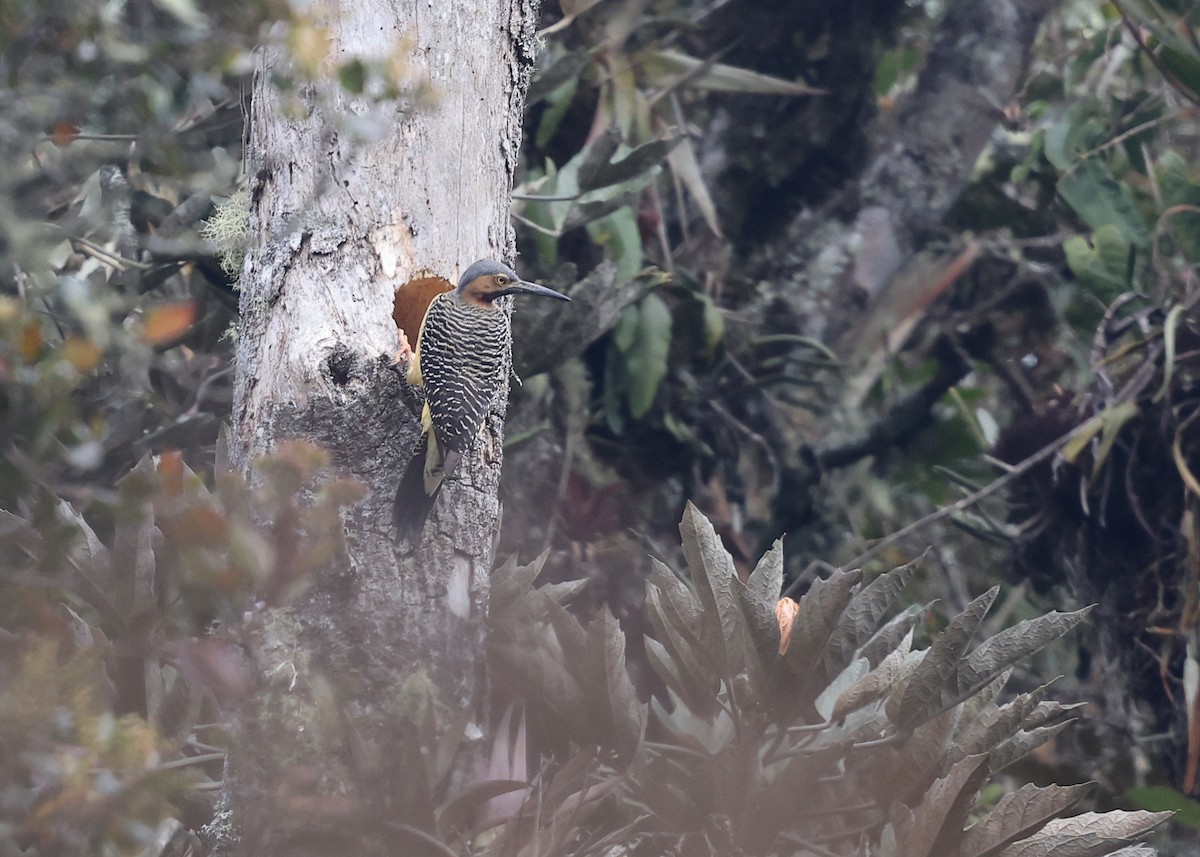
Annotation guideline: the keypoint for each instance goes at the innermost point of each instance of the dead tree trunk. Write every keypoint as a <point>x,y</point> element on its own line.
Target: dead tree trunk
<point>351,196</point>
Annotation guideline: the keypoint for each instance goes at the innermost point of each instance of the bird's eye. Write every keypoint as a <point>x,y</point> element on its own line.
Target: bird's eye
<point>501,280</point>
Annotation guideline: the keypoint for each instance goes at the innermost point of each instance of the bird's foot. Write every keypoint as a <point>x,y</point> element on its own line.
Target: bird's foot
<point>402,357</point>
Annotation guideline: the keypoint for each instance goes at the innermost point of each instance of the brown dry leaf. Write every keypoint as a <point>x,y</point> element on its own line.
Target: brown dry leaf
<point>166,323</point>
<point>170,470</point>
<point>32,341</point>
<point>81,353</point>
<point>785,611</point>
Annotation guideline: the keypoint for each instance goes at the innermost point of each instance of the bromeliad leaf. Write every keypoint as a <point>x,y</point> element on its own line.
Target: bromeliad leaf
<point>1001,651</point>
<point>712,575</point>
<point>1021,744</point>
<point>818,615</point>
<point>1087,835</point>
<point>923,693</point>
<point>765,582</point>
<point>936,825</point>
<point>860,620</point>
<point>686,167</point>
<point>1018,814</point>
<point>609,691</point>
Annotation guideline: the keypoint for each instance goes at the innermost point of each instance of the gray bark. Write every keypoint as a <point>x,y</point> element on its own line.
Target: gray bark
<point>828,269</point>
<point>351,197</point>
<point>852,271</point>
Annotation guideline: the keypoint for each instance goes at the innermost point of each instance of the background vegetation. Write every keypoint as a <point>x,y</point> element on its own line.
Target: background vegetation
<point>680,157</point>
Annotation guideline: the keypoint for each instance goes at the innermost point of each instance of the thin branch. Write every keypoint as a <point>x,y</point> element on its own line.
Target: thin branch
<point>968,501</point>
<point>536,227</point>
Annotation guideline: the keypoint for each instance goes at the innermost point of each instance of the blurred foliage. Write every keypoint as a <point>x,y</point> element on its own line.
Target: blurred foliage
<point>118,652</point>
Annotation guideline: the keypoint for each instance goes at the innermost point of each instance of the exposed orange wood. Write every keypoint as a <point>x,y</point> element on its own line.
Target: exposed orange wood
<point>412,300</point>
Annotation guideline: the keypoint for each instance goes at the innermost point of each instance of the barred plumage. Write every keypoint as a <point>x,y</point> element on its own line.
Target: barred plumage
<point>464,352</point>
<point>462,360</point>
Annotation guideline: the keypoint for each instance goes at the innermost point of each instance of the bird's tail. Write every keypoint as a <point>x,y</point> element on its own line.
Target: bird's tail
<point>413,504</point>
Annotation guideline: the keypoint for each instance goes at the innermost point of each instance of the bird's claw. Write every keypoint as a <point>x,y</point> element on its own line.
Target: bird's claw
<point>403,356</point>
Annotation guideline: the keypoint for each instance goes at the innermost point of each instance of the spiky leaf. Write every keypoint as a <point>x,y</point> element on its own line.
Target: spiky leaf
<point>817,617</point>
<point>1017,814</point>
<point>681,655</point>
<point>1001,651</point>
<point>923,694</point>
<point>1089,834</point>
<point>860,620</point>
<point>713,576</point>
<point>1023,743</point>
<point>938,819</point>
<point>609,692</point>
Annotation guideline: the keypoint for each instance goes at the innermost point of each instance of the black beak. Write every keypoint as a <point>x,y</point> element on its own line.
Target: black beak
<point>523,288</point>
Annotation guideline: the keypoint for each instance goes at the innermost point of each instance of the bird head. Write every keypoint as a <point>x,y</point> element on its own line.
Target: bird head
<point>487,280</point>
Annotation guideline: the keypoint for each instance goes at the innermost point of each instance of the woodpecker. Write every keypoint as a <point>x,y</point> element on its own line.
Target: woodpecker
<point>462,359</point>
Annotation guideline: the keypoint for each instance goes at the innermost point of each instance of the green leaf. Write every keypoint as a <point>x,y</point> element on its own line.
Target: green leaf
<point>646,358</point>
<point>879,681</point>
<point>618,234</point>
<point>1022,744</point>
<point>558,101</point>
<point>454,813</point>
<point>714,324</point>
<point>766,581</point>
<point>894,64</point>
<point>1089,834</point>
<point>597,169</point>
<point>554,75</point>
<point>1166,799</point>
<point>183,11</point>
<point>1181,192</point>
<point>677,622</point>
<point>700,701</point>
<point>935,825</point>
<point>511,582</point>
<point>353,76</point>
<point>989,726</point>
<point>1103,264</point>
<point>666,68</point>
<point>1184,68</point>
<point>608,689</point>
<point>1101,200</point>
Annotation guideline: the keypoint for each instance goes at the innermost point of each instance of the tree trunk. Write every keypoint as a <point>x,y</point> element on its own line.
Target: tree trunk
<point>351,196</point>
